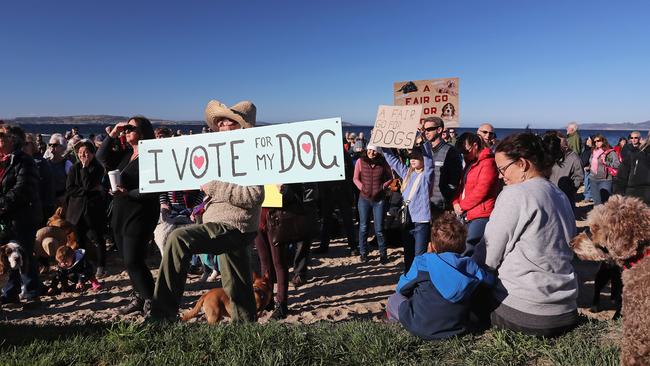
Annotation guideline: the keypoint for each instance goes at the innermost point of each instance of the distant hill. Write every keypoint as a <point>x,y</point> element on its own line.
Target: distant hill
<point>105,120</point>
<point>616,126</point>
<point>100,119</point>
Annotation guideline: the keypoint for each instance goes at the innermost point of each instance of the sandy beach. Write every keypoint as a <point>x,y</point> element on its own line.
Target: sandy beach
<point>339,288</point>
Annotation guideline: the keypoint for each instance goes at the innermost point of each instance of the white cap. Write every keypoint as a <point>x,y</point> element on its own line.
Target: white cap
<point>374,147</point>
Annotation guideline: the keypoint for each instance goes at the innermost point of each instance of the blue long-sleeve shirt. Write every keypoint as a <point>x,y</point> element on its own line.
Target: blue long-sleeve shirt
<point>419,207</point>
<point>438,288</point>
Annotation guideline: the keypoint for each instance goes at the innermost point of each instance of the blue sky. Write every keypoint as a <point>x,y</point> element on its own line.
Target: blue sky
<point>520,62</point>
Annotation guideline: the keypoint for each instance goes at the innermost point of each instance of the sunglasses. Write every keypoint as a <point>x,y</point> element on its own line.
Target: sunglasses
<point>634,138</point>
<point>129,128</point>
<point>598,140</point>
<point>489,133</point>
<point>503,170</point>
<point>431,129</point>
<point>53,145</point>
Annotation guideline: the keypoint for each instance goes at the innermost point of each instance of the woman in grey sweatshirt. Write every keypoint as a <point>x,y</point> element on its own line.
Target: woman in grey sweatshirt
<point>527,243</point>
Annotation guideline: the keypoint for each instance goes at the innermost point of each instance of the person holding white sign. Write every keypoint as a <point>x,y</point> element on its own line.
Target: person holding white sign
<point>230,223</point>
<point>415,194</point>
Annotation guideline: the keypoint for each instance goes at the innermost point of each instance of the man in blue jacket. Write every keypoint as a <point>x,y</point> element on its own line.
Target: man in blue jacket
<point>433,298</point>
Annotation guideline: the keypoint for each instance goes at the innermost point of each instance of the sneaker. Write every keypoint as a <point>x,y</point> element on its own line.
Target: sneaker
<point>100,272</point>
<point>151,319</point>
<point>146,308</point>
<point>281,311</point>
<point>32,303</point>
<point>134,306</point>
<point>364,258</point>
<point>9,300</point>
<point>298,281</point>
<point>95,285</point>
<point>213,276</point>
<point>383,259</point>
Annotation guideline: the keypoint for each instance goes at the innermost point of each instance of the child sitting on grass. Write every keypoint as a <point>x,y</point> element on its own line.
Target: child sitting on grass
<point>433,298</point>
<point>72,265</point>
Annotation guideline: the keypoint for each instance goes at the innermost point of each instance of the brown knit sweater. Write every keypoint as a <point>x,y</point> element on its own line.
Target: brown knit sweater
<point>234,205</point>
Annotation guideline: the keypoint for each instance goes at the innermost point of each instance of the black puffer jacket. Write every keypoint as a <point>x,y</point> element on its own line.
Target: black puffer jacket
<point>633,178</point>
<point>20,205</point>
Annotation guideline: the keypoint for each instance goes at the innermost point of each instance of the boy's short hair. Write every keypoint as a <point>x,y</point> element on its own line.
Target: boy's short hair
<point>448,234</point>
<point>63,253</point>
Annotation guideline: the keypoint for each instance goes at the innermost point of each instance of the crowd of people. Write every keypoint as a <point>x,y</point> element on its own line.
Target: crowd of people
<point>485,223</point>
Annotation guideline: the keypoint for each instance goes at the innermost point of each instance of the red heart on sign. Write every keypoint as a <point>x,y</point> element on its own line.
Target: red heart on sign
<point>306,147</point>
<point>198,161</point>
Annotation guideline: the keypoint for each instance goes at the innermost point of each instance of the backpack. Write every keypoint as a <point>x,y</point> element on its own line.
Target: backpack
<point>610,170</point>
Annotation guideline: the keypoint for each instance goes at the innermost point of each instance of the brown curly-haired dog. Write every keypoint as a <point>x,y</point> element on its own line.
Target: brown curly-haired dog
<point>620,231</point>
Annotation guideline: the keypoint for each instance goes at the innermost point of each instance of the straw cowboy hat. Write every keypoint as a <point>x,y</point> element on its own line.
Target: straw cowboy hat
<point>242,113</point>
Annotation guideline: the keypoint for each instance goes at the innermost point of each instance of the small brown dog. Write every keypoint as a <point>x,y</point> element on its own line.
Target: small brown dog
<point>620,232</point>
<point>58,232</point>
<point>215,303</point>
<point>58,220</point>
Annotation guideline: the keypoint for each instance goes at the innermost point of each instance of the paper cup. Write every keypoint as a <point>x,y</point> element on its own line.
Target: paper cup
<point>114,178</point>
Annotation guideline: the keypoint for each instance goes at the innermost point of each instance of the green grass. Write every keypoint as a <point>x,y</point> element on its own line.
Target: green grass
<point>347,343</point>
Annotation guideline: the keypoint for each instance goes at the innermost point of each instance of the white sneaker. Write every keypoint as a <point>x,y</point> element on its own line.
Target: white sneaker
<point>213,276</point>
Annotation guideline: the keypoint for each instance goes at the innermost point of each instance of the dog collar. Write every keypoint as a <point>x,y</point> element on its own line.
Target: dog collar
<point>636,259</point>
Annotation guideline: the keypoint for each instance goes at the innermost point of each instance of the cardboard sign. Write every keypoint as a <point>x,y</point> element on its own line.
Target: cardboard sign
<point>309,151</point>
<point>438,97</point>
<point>396,126</point>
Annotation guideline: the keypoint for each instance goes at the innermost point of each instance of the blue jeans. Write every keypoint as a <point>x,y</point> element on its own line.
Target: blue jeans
<point>475,230</point>
<point>365,206</point>
<point>415,241</point>
<point>587,193</point>
<point>600,190</point>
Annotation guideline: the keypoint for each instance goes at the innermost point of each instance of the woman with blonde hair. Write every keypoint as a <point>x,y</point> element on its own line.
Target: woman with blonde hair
<point>415,191</point>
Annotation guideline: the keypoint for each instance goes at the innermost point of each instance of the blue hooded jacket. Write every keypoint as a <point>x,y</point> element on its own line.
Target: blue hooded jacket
<point>439,288</point>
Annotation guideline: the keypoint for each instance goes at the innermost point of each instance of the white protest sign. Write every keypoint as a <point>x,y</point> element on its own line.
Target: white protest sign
<point>396,126</point>
<point>309,151</point>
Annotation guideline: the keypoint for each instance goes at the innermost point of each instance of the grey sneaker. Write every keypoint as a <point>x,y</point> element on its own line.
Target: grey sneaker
<point>100,272</point>
<point>136,304</point>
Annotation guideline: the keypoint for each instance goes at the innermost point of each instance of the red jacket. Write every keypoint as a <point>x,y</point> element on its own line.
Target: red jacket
<point>478,190</point>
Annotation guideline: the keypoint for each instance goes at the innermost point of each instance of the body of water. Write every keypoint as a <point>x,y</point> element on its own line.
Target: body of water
<point>87,129</point>
<point>611,136</point>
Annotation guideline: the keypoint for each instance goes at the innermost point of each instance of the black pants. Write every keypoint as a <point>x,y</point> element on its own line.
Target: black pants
<point>328,205</point>
<point>91,235</point>
<point>133,247</point>
<point>301,258</point>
